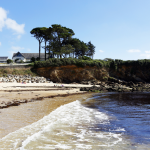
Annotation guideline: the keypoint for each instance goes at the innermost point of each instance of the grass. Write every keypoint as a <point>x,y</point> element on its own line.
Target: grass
<point>18,71</point>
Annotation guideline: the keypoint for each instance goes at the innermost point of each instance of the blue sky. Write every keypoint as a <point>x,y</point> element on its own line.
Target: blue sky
<point>120,29</point>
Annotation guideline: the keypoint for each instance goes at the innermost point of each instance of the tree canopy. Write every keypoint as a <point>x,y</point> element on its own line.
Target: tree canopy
<point>61,43</point>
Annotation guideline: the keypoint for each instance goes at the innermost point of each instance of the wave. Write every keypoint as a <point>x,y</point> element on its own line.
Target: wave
<point>71,126</point>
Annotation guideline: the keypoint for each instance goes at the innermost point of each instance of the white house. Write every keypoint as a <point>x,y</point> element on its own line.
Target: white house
<point>27,56</point>
<point>3,59</point>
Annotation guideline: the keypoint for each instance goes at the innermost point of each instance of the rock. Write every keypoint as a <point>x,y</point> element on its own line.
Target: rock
<point>23,78</point>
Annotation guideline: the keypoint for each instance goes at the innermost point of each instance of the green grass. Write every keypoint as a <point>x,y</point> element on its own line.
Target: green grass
<point>19,71</point>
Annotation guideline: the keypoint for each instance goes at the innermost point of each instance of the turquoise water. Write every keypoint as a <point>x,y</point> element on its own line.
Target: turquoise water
<point>104,121</point>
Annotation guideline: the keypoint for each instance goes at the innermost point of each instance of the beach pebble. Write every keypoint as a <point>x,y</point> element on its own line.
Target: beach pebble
<point>23,79</point>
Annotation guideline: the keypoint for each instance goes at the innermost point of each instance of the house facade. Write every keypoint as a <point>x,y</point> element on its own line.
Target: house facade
<point>27,56</point>
<point>3,59</point>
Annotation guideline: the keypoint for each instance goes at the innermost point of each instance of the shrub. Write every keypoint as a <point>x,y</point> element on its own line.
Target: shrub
<point>16,60</point>
<point>113,64</point>
<point>32,59</point>
<point>37,59</point>
<point>86,58</point>
<point>9,61</point>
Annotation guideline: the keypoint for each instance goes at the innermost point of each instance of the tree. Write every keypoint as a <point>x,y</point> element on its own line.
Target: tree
<point>58,37</point>
<point>9,61</point>
<point>47,35</point>
<point>61,43</point>
<point>91,49</point>
<point>38,34</point>
<point>61,37</point>
<point>37,59</point>
<point>76,44</point>
<point>84,49</point>
<point>67,50</point>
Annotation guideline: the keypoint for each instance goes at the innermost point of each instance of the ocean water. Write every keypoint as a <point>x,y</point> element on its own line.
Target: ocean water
<point>109,121</point>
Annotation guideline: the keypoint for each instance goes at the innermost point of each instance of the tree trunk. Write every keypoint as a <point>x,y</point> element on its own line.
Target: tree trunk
<point>39,49</point>
<point>45,50</point>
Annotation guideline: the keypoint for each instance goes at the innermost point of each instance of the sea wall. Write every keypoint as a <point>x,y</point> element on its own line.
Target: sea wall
<point>72,73</point>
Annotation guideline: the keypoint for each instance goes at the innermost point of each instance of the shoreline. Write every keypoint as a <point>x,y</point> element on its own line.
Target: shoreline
<point>16,93</point>
<point>8,99</point>
<point>14,118</point>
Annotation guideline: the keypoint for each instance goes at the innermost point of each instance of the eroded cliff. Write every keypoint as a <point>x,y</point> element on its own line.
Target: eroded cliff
<point>72,73</point>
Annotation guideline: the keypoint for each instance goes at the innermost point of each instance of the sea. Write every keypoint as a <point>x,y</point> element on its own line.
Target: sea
<point>103,121</point>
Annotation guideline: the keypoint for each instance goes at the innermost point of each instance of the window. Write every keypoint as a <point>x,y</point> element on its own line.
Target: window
<point>19,54</point>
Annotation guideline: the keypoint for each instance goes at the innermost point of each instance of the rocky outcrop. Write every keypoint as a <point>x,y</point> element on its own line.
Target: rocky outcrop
<point>118,87</point>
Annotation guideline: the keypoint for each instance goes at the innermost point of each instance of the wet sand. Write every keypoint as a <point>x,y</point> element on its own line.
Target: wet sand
<point>12,94</point>
<point>15,117</point>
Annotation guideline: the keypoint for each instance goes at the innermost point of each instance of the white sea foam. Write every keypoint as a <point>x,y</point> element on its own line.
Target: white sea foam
<point>71,126</point>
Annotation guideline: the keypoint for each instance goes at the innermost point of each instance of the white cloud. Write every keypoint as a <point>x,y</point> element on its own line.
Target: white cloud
<point>147,51</point>
<point>101,51</point>
<point>3,16</point>
<point>0,43</point>
<point>10,23</point>
<point>134,51</point>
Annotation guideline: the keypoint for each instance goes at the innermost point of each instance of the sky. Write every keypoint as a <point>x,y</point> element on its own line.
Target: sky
<point>119,29</point>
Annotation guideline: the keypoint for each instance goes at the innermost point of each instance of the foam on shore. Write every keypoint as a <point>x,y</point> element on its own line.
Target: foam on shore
<point>71,126</point>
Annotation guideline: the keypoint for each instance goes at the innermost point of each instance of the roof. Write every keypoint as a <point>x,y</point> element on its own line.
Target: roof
<point>3,58</point>
<point>30,55</point>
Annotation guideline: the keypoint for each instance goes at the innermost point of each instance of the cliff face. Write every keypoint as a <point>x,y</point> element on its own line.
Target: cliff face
<point>131,73</point>
<point>72,73</point>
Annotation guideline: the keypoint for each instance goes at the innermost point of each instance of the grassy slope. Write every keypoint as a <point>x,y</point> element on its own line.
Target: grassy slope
<point>17,71</point>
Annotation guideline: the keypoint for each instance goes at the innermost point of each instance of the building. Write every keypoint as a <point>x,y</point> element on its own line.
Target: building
<point>3,59</point>
<point>27,56</point>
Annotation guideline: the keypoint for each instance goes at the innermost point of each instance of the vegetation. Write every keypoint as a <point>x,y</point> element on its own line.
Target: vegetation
<point>16,59</point>
<point>18,71</point>
<point>32,59</point>
<point>86,61</point>
<point>61,44</point>
<point>9,61</point>
<point>70,61</point>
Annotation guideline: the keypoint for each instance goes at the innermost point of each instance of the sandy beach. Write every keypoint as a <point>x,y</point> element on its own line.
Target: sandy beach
<point>34,103</point>
<point>12,94</point>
